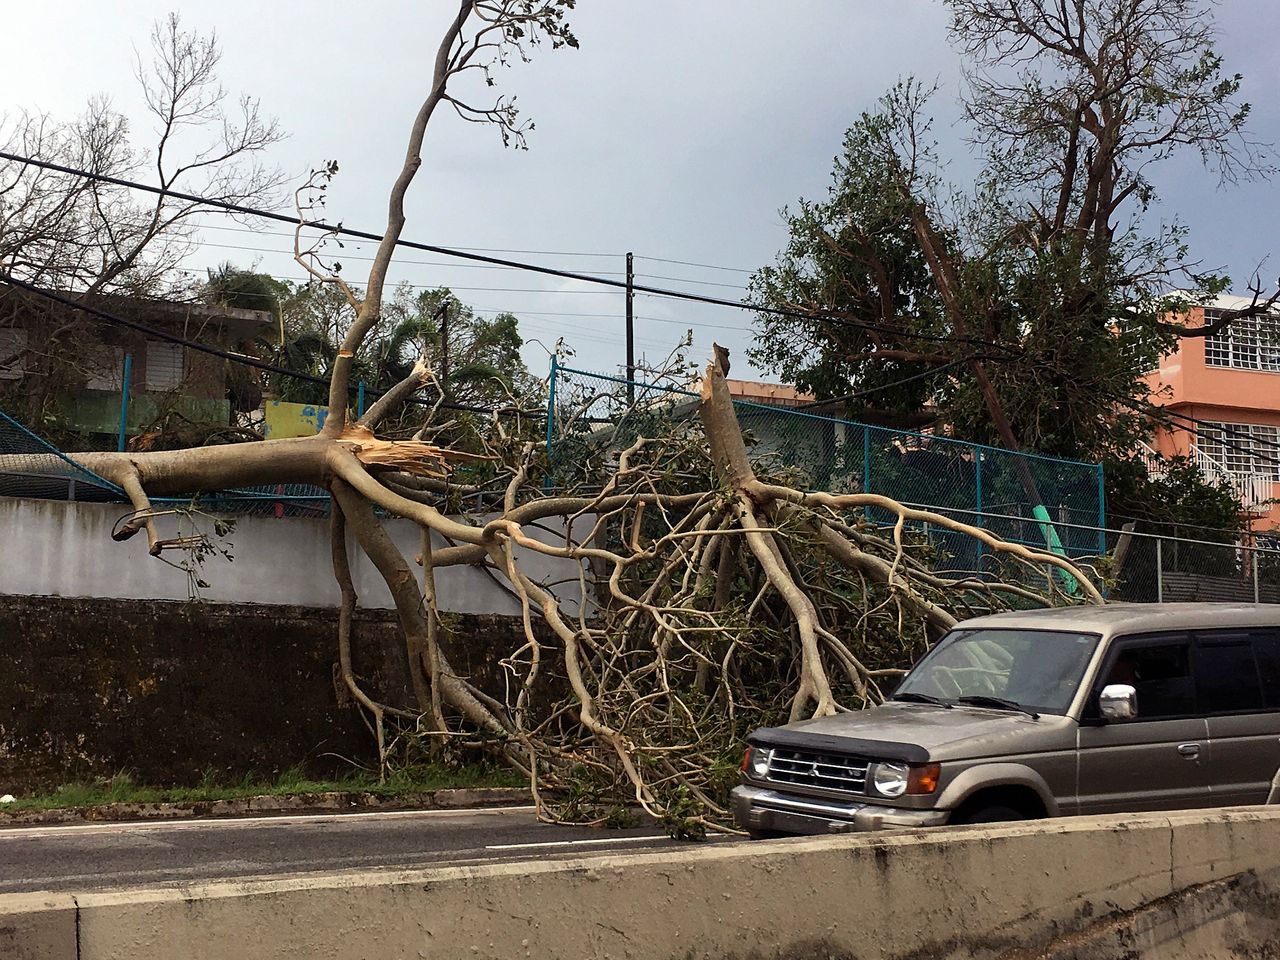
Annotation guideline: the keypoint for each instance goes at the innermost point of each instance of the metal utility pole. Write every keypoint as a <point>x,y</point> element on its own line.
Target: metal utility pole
<point>126,378</point>
<point>443,315</point>
<point>631,333</point>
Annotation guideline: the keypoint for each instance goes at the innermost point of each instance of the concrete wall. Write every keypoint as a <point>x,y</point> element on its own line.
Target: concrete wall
<point>1178,886</point>
<point>52,548</point>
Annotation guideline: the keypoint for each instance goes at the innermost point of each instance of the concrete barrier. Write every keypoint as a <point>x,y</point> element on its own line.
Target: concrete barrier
<point>1019,890</point>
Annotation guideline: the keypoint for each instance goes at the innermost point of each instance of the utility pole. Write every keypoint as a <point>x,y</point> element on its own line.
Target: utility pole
<point>631,333</point>
<point>443,315</point>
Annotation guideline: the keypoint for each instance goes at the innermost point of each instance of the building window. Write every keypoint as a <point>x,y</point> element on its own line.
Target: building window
<point>1250,343</point>
<point>1242,449</point>
<point>13,343</point>
<point>164,365</point>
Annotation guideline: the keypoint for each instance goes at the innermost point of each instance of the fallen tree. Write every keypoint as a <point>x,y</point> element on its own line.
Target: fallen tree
<point>706,598</point>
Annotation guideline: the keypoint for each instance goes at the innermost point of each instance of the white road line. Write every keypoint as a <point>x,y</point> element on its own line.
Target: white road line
<point>573,843</point>
<point>18,832</point>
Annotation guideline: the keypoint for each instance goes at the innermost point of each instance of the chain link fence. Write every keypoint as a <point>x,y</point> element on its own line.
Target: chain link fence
<point>33,468</point>
<point>982,486</point>
<point>30,467</point>
<point>818,452</point>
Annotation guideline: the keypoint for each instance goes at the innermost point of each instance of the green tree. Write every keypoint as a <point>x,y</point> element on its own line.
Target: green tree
<point>1023,310</point>
<point>853,259</point>
<point>482,365</point>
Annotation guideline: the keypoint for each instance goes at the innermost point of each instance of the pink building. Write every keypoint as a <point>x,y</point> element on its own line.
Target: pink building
<point>771,394</point>
<point>1230,383</point>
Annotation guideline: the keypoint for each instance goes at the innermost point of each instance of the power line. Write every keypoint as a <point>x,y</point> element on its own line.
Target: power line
<point>689,263</point>
<point>701,283</point>
<point>338,229</point>
<point>896,383</point>
<point>518,312</point>
<point>1156,412</point>
<point>1221,427</point>
<point>536,253</point>
<point>1232,445</point>
<point>401,262</point>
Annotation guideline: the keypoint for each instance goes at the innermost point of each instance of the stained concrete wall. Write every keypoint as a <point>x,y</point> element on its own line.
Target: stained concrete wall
<point>1013,891</point>
<point>53,548</point>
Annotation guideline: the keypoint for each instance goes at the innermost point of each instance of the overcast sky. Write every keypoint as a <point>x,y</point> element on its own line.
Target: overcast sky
<point>677,131</point>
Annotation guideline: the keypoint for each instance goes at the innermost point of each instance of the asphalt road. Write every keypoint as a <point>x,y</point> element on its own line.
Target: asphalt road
<point>84,857</point>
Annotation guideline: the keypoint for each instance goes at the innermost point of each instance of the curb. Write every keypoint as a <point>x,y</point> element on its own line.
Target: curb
<point>333,802</point>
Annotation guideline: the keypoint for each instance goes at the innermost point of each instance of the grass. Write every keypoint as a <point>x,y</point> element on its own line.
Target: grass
<point>293,782</point>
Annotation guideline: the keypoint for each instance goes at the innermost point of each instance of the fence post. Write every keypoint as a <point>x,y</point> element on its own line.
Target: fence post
<point>1102,512</point>
<point>1257,592</point>
<point>125,377</point>
<point>631,332</point>
<point>551,416</point>
<point>1159,570</point>
<point>977,478</point>
<point>360,400</point>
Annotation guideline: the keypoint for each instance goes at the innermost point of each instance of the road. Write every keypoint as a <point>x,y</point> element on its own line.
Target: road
<point>84,857</point>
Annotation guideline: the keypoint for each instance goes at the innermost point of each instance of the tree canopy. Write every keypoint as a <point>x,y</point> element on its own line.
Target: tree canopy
<point>483,366</point>
<point>1023,310</point>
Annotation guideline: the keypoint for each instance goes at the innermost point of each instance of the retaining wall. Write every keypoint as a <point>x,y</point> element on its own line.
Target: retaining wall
<point>1199,884</point>
<point>55,548</point>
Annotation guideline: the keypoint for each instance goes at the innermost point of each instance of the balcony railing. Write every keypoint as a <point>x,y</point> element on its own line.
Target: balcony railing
<point>1254,491</point>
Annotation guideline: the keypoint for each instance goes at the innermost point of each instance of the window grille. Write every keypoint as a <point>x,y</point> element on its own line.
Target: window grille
<point>164,365</point>
<point>1243,449</point>
<point>1249,343</point>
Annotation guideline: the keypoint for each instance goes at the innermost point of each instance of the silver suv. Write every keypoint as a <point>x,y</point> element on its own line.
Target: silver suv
<point>1040,714</point>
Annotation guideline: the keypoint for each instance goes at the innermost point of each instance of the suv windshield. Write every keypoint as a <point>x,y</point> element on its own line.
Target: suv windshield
<point>1037,670</point>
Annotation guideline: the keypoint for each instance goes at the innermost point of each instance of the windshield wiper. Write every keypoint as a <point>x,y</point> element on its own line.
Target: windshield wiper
<point>998,703</point>
<point>909,697</point>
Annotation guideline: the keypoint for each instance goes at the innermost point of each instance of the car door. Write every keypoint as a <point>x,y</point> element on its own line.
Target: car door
<point>1159,760</point>
<point>1244,722</point>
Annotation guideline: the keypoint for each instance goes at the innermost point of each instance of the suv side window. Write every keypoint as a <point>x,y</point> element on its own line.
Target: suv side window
<point>1159,669</point>
<point>1227,678</point>
<point>1266,645</point>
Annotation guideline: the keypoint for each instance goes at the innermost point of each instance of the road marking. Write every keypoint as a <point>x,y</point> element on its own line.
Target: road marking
<point>573,843</point>
<point>18,832</point>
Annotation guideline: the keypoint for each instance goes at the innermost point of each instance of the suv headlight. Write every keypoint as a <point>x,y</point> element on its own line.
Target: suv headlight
<point>890,779</point>
<point>758,762</point>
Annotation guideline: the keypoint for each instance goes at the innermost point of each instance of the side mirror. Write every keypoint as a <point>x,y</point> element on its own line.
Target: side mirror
<point>1118,701</point>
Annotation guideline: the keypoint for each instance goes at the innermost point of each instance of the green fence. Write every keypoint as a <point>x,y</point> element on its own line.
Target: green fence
<point>32,467</point>
<point>982,485</point>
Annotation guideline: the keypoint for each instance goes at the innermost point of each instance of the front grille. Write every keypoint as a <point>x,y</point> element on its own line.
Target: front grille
<point>818,770</point>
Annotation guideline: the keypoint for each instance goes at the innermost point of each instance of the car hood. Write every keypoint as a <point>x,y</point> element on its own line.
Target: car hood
<point>921,732</point>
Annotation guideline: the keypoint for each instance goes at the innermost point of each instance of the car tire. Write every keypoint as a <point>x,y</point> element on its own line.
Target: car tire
<point>988,814</point>
<point>766,834</point>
